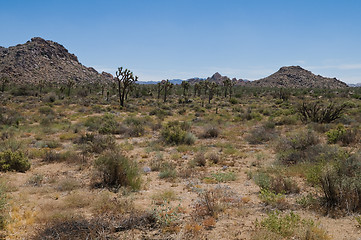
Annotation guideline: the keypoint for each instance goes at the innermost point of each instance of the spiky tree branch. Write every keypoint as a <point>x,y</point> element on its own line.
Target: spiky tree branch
<point>125,80</point>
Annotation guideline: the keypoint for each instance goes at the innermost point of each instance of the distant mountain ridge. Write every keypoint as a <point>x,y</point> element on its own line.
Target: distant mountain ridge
<point>354,85</point>
<point>174,81</point>
<point>285,77</point>
<point>44,60</point>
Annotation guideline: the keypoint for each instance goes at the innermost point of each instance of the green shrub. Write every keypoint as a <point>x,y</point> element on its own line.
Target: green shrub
<point>334,134</point>
<point>93,123</point>
<point>96,143</point>
<point>135,126</point>
<point>263,180</point>
<point>273,199</point>
<point>298,141</point>
<point>46,110</point>
<point>298,147</point>
<point>341,134</point>
<point>106,124</point>
<point>117,171</point>
<point>109,125</point>
<point>288,226</point>
<point>160,113</point>
<point>167,170</point>
<point>176,133</point>
<point>14,161</point>
<point>189,138</point>
<point>276,184</point>
<point>233,101</point>
<point>167,173</point>
<point>9,117</point>
<point>224,176</point>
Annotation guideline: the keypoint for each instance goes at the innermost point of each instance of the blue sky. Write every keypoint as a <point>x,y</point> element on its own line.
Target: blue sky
<point>160,39</point>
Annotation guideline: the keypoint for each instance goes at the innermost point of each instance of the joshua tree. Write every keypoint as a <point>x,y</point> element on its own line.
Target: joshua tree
<point>211,86</point>
<point>185,85</point>
<point>125,79</point>
<point>166,87</point>
<point>159,89</point>
<point>231,88</point>
<point>226,83</point>
<point>197,88</point>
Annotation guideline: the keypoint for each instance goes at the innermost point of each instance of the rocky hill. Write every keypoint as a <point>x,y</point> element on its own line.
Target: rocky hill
<point>39,60</point>
<point>297,77</point>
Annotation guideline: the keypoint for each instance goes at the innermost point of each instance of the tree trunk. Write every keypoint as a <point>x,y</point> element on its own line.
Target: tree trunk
<point>165,94</point>
<point>120,94</point>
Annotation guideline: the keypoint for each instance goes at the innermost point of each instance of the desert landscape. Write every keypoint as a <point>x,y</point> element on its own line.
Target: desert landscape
<point>90,156</point>
<point>180,120</point>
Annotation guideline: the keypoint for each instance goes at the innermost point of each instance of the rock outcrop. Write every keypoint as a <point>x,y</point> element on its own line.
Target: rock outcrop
<point>43,60</point>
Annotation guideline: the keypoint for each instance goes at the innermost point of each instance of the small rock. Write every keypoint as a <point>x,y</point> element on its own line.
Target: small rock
<point>146,169</point>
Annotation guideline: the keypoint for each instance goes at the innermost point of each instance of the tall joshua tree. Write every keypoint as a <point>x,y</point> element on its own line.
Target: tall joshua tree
<point>211,86</point>
<point>185,85</point>
<point>226,84</point>
<point>125,80</point>
<point>159,89</point>
<point>197,89</point>
<point>166,86</point>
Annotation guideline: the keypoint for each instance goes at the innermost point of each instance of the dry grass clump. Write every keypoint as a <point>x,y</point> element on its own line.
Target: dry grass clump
<point>199,160</point>
<point>164,196</point>
<point>260,135</point>
<point>105,202</point>
<point>68,184</point>
<point>210,132</point>
<point>213,201</point>
<point>74,228</point>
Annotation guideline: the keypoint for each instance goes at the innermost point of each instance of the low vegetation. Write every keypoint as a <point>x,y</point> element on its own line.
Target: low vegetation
<point>202,161</point>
